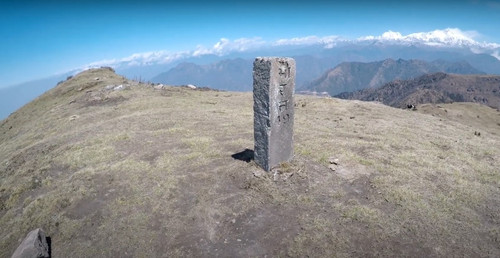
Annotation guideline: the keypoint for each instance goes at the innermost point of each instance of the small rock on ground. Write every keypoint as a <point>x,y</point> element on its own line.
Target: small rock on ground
<point>158,87</point>
<point>259,173</point>
<point>333,160</point>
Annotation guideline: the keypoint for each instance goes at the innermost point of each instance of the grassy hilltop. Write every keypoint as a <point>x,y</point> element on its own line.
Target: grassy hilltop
<point>144,172</point>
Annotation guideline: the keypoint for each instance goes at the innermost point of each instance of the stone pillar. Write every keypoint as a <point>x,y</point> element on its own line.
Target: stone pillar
<point>273,90</point>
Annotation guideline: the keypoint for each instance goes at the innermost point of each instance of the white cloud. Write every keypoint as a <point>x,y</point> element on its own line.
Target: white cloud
<point>445,37</point>
<point>145,57</point>
<point>391,35</point>
<point>496,54</point>
<point>222,47</point>
<point>138,59</point>
<point>327,41</point>
<point>450,37</point>
<point>102,63</point>
<point>225,46</point>
<point>156,57</point>
<point>201,50</point>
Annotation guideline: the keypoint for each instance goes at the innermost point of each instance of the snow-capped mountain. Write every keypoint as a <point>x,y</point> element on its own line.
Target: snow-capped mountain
<point>449,38</point>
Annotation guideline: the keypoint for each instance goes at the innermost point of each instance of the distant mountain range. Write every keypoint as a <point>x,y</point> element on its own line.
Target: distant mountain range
<point>232,69</point>
<point>352,76</point>
<point>450,44</point>
<point>434,88</point>
<point>232,74</point>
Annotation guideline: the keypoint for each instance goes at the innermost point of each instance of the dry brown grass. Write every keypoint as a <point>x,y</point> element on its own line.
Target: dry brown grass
<point>149,173</point>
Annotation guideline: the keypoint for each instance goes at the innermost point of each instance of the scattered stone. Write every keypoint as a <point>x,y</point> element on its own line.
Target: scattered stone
<point>333,167</point>
<point>96,78</point>
<point>412,107</point>
<point>333,160</point>
<point>158,87</point>
<point>33,246</point>
<point>273,87</point>
<point>259,173</point>
<point>286,176</point>
<point>276,176</point>
<point>114,87</point>
<point>191,86</point>
<point>73,117</point>
<point>476,133</point>
<point>300,103</point>
<point>279,175</point>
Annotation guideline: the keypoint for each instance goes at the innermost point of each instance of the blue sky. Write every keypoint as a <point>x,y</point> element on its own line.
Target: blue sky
<point>42,38</point>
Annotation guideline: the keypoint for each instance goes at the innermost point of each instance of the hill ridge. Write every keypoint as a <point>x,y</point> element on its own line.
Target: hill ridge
<point>352,76</point>
<point>134,169</point>
<point>434,88</point>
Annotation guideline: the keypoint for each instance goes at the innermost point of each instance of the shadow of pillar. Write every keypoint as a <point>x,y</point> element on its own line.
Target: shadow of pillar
<point>246,155</point>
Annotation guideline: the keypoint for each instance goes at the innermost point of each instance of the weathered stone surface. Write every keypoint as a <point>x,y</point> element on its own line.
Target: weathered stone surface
<point>33,246</point>
<point>273,93</point>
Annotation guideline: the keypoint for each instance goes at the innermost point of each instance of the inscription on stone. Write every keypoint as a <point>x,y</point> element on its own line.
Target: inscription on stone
<point>273,88</point>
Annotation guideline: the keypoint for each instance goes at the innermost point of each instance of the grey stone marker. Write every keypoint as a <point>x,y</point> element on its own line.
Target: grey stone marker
<point>273,89</point>
<point>33,246</point>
